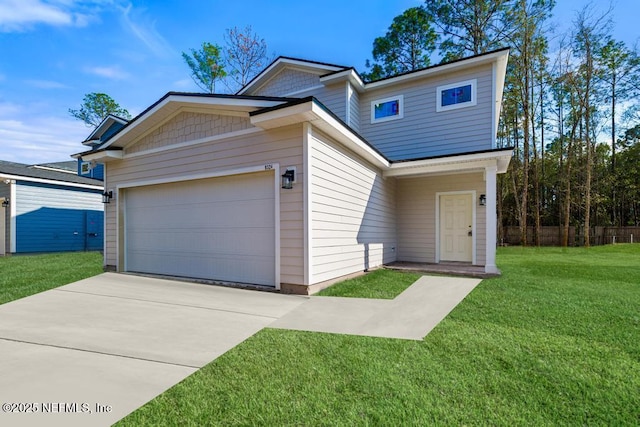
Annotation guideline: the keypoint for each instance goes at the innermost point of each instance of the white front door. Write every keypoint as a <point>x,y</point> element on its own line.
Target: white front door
<point>456,227</point>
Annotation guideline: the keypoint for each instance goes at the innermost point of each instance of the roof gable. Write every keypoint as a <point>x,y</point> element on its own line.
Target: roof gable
<point>303,66</point>
<point>107,128</point>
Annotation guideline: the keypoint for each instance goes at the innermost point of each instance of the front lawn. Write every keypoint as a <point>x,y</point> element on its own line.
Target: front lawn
<point>554,341</point>
<point>380,284</point>
<point>24,275</point>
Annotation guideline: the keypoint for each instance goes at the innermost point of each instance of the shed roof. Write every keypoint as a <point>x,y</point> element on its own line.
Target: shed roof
<point>47,173</point>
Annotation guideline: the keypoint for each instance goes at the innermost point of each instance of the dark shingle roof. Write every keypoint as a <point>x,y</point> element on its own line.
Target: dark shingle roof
<point>30,171</point>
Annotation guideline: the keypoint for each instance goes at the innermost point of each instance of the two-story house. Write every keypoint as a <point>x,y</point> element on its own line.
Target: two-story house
<point>309,174</point>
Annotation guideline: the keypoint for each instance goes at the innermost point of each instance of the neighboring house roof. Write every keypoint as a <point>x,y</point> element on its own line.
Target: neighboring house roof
<point>70,166</point>
<point>37,173</point>
<point>98,134</point>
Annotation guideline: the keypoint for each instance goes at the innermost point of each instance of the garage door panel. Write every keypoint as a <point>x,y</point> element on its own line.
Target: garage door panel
<point>248,242</point>
<point>217,228</point>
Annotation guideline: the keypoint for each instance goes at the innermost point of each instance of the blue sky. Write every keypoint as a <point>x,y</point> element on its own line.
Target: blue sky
<point>53,52</point>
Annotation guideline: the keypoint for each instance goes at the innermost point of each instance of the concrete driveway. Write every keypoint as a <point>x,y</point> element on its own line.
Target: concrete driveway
<point>93,351</point>
<point>89,353</point>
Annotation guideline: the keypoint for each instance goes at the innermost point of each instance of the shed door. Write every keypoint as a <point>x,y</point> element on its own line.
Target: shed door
<point>456,228</point>
<point>217,228</point>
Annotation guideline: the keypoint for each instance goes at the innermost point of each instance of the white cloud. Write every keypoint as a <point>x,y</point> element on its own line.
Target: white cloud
<point>17,15</point>
<point>113,72</point>
<point>46,84</point>
<point>144,30</point>
<point>22,15</point>
<point>41,139</point>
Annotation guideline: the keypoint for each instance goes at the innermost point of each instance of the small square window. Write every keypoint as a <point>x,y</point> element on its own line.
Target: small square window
<point>85,167</point>
<point>383,110</point>
<point>457,95</point>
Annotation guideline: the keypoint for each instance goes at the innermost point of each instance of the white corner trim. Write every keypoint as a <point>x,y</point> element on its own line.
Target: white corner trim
<point>307,202</point>
<point>13,214</point>
<point>494,107</point>
<point>276,207</point>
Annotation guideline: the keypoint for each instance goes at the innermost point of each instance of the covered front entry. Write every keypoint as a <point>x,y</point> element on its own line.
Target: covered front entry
<point>220,228</point>
<point>456,227</point>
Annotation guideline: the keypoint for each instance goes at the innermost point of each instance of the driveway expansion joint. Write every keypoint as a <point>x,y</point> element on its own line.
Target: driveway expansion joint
<point>146,300</point>
<point>100,352</point>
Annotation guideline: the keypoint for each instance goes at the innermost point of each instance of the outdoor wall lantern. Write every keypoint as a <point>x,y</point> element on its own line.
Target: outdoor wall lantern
<point>288,178</point>
<point>107,196</point>
<point>5,203</point>
<point>483,200</point>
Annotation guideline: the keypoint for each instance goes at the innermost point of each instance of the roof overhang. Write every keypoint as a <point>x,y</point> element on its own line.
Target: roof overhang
<point>174,103</point>
<point>455,163</point>
<point>461,64</point>
<point>101,156</point>
<point>94,137</point>
<point>349,75</point>
<point>12,177</point>
<point>315,113</point>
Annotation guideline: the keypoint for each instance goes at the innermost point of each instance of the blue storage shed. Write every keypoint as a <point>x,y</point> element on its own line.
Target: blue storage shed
<point>49,208</point>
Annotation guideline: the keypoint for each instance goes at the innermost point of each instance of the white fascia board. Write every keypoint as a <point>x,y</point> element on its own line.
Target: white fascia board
<point>349,75</point>
<point>453,164</point>
<point>185,101</point>
<point>102,156</point>
<point>439,69</point>
<point>318,117</point>
<point>105,123</point>
<point>49,181</point>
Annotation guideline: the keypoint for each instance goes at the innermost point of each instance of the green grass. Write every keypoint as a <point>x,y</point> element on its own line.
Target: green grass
<point>554,341</point>
<point>24,275</point>
<point>382,284</point>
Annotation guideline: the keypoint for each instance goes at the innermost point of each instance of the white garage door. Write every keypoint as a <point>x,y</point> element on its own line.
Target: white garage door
<point>217,228</point>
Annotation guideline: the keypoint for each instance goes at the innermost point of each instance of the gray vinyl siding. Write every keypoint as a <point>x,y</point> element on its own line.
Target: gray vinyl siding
<point>417,214</point>
<point>286,82</point>
<point>334,97</point>
<point>423,132</point>
<point>283,146</point>
<point>353,225</point>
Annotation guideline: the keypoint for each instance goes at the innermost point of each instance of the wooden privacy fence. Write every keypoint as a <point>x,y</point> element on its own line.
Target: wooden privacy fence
<point>552,235</point>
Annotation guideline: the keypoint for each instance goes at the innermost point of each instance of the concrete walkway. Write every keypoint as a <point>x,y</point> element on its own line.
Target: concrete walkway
<point>411,315</point>
<point>93,351</point>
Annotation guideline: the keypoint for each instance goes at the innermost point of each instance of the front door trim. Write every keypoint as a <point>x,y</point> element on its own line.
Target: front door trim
<point>474,225</point>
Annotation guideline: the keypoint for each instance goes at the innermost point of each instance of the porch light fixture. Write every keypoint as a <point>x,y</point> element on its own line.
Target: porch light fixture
<point>483,200</point>
<point>288,178</point>
<point>107,196</point>
<point>5,203</point>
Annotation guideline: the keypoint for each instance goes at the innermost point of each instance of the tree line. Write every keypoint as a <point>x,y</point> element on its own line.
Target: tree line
<point>570,107</point>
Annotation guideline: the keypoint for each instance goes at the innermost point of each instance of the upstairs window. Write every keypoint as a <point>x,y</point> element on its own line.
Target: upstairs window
<point>456,95</point>
<point>386,109</point>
